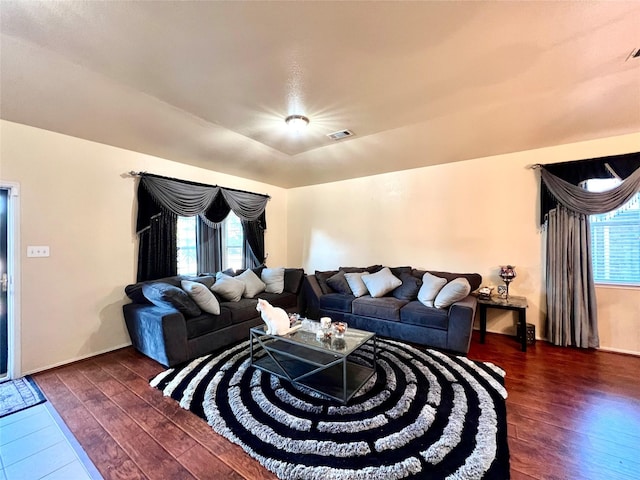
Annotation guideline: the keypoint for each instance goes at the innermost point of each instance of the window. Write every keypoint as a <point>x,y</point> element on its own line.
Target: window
<point>615,239</point>
<point>232,244</point>
<point>187,255</point>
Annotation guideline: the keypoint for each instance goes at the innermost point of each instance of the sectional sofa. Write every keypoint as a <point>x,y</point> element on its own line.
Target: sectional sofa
<point>408,311</point>
<point>167,324</point>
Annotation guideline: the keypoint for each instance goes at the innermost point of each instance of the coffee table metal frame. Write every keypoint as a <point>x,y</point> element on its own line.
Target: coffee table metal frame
<point>322,366</point>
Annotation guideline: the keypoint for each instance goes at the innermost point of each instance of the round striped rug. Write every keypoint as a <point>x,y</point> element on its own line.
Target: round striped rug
<point>423,414</point>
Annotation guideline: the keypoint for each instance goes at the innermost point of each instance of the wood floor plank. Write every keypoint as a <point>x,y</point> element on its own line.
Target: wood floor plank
<point>143,449</point>
<point>204,465</point>
<point>571,414</point>
<point>110,459</point>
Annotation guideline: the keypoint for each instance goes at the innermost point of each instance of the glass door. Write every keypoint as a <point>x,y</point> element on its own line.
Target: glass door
<point>4,283</point>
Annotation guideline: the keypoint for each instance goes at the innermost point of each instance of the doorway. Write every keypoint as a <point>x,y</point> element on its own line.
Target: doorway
<point>9,233</point>
<point>4,284</point>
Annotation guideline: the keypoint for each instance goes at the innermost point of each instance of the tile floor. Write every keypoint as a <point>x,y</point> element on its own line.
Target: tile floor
<point>36,444</point>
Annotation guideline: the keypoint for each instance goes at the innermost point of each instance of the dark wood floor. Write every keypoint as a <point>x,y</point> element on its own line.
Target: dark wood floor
<point>572,414</point>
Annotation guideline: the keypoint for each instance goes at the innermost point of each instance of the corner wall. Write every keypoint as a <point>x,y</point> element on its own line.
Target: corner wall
<point>75,199</point>
<point>470,216</point>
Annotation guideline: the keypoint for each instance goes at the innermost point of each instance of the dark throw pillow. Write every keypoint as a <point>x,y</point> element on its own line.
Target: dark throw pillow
<point>322,278</point>
<point>339,283</point>
<point>409,288</point>
<point>166,295</point>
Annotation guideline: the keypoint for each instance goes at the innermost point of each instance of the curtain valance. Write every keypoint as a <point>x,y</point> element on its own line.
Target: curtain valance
<point>211,203</point>
<point>582,201</point>
<point>575,172</point>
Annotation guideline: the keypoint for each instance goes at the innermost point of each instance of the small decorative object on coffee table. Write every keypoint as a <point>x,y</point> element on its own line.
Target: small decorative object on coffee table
<point>339,328</point>
<point>508,274</point>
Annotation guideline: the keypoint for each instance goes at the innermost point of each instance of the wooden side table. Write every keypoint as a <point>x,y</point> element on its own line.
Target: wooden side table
<point>517,304</point>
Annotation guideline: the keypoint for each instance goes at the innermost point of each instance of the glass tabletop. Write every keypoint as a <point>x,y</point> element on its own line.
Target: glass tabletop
<point>306,335</point>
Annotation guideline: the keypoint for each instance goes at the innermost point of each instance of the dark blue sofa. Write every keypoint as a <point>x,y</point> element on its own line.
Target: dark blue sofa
<point>171,337</point>
<point>405,319</point>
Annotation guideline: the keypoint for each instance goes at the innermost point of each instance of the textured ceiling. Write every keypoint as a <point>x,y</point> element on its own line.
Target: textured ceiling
<point>419,83</point>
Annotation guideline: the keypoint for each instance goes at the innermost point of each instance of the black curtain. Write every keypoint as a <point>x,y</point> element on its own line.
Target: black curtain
<point>580,170</point>
<point>158,248</point>
<point>253,251</point>
<point>211,202</point>
<point>161,200</point>
<point>208,247</point>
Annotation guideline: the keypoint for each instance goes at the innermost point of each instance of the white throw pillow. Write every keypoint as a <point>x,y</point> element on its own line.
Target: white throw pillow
<point>381,283</point>
<point>452,292</point>
<point>203,297</point>
<point>431,285</point>
<point>356,284</point>
<point>252,284</point>
<point>274,279</point>
<point>228,287</point>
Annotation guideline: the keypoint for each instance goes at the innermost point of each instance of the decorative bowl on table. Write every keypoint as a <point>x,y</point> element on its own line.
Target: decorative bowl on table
<point>339,328</point>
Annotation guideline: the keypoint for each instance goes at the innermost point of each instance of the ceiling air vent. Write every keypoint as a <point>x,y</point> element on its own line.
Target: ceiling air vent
<point>340,134</point>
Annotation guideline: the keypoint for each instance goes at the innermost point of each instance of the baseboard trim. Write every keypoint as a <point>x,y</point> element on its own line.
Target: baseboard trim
<point>619,350</point>
<point>76,359</point>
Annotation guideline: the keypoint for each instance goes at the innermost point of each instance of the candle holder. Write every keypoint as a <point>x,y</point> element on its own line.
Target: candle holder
<point>508,274</point>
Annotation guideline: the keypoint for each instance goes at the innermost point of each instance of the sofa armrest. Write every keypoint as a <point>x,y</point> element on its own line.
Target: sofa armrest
<point>159,333</point>
<point>461,318</point>
<point>312,294</point>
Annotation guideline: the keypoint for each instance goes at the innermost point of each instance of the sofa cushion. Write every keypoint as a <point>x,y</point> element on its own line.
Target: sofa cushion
<point>283,300</point>
<point>386,308</point>
<point>336,301</point>
<point>452,292</point>
<point>228,287</point>
<point>356,285</point>
<point>352,269</point>
<point>398,271</point>
<point>206,280</point>
<point>135,293</point>
<point>374,268</point>
<point>293,279</point>
<point>256,270</point>
<point>409,288</point>
<point>204,298</point>
<point>339,283</point>
<point>381,283</point>
<point>166,295</point>
<point>207,323</point>
<point>431,285</point>
<point>322,280</point>
<point>252,283</point>
<point>474,279</point>
<point>273,279</point>
<point>415,313</point>
<point>242,310</point>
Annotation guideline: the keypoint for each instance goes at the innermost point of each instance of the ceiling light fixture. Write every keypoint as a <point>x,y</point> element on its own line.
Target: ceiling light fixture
<point>297,121</point>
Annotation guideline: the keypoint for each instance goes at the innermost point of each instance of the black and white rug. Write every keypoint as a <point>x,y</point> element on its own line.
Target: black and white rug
<point>423,414</point>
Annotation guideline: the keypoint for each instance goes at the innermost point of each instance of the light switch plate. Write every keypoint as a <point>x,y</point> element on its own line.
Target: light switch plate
<point>38,251</point>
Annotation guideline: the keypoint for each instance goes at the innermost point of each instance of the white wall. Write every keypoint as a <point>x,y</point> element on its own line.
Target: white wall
<point>470,216</point>
<point>450,217</point>
<point>75,199</point>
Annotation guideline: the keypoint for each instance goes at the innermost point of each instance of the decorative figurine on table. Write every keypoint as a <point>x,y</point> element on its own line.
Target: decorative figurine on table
<point>508,274</point>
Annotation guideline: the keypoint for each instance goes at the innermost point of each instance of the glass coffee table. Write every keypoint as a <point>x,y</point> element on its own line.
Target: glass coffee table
<point>322,365</point>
